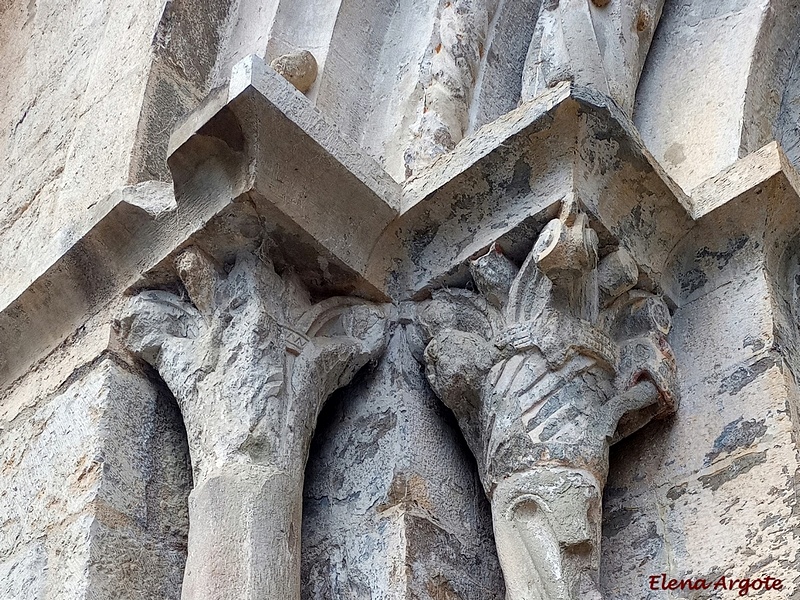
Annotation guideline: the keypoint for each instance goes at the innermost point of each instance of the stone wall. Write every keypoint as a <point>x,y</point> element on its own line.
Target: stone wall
<point>476,220</point>
<point>73,85</point>
<point>393,504</point>
<point>95,480</point>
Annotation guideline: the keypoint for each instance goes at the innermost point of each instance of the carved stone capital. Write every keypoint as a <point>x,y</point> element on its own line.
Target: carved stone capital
<point>251,360</point>
<point>545,366</point>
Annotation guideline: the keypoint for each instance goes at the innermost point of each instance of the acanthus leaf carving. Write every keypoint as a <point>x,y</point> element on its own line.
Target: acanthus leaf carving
<point>250,360</point>
<point>544,369</point>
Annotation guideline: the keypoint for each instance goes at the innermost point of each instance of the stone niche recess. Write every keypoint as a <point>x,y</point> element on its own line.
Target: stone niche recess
<point>422,300</point>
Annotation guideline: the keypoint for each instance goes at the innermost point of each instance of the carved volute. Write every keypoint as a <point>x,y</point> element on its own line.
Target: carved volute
<point>545,366</point>
<point>251,360</point>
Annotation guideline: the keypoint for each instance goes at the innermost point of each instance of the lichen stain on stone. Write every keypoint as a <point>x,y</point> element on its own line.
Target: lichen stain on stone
<point>736,434</point>
<point>723,257</point>
<point>691,281</point>
<point>617,521</point>
<point>740,466</point>
<point>677,491</point>
<point>421,240</point>
<point>754,343</point>
<point>650,543</point>
<point>771,520</point>
<point>521,179</point>
<point>758,567</point>
<point>375,427</point>
<point>744,376</point>
<point>640,222</point>
<point>674,154</point>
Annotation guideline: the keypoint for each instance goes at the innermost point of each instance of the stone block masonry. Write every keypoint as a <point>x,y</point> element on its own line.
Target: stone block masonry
<point>431,300</point>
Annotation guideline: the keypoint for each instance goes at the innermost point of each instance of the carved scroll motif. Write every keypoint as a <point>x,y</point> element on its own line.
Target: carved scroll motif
<point>251,361</point>
<point>544,368</point>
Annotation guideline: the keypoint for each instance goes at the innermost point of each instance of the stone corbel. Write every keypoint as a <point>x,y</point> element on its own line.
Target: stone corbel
<point>545,366</point>
<point>250,360</point>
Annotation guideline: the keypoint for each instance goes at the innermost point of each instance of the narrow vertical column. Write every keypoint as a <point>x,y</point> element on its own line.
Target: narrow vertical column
<point>448,78</point>
<point>250,361</point>
<point>601,44</point>
<point>543,368</point>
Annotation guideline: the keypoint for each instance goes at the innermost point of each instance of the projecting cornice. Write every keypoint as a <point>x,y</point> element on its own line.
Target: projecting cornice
<point>505,181</point>
<point>258,162</point>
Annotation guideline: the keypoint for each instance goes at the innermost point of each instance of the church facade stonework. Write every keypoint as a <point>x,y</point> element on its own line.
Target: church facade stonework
<point>431,300</point>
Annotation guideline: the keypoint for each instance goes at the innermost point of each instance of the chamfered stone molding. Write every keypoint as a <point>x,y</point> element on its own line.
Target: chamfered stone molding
<point>502,183</point>
<point>337,188</point>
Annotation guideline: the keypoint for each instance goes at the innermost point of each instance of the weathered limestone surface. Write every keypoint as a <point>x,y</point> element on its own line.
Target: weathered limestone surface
<point>69,108</point>
<point>544,369</point>
<point>61,299</point>
<point>185,44</point>
<point>498,87</point>
<point>598,44</point>
<point>94,482</point>
<point>393,506</point>
<point>568,141</point>
<point>142,225</point>
<point>787,130</point>
<point>250,361</point>
<point>501,205</point>
<point>408,80</point>
<point>726,502</point>
<point>451,68</point>
<point>713,85</point>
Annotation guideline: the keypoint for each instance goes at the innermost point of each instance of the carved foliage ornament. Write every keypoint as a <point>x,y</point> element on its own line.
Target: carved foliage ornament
<point>544,367</point>
<point>250,361</point>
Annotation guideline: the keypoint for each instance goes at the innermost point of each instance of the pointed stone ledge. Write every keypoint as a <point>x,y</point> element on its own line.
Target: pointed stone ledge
<point>310,185</point>
<point>504,182</point>
<point>253,79</point>
<point>301,171</point>
<point>258,150</point>
<point>478,146</point>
